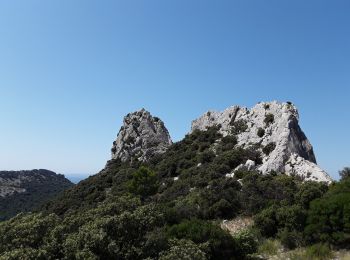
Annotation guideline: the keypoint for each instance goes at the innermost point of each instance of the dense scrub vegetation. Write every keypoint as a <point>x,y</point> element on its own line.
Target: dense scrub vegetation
<point>172,207</point>
<point>38,185</point>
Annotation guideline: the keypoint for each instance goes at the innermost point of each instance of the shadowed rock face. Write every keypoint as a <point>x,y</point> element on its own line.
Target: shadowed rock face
<point>272,128</point>
<point>141,137</point>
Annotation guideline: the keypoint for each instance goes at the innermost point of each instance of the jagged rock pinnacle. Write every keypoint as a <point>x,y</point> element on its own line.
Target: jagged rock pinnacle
<point>141,137</point>
<point>272,128</point>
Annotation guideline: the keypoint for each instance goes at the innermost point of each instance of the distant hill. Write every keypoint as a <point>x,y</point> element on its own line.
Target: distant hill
<point>23,191</point>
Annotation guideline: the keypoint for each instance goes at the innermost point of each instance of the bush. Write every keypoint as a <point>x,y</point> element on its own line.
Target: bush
<point>239,126</point>
<point>221,243</point>
<point>345,173</point>
<point>25,254</point>
<point>184,249</point>
<point>290,239</point>
<point>241,173</point>
<point>247,242</point>
<point>228,143</point>
<point>291,218</point>
<point>259,191</point>
<point>266,222</point>
<point>206,156</point>
<point>319,251</point>
<point>221,209</point>
<point>329,217</point>
<point>26,231</point>
<point>310,191</point>
<point>269,148</point>
<point>143,182</point>
<point>261,132</point>
<point>269,119</point>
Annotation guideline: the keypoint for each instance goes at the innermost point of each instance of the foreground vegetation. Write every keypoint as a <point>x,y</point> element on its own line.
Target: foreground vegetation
<point>172,208</point>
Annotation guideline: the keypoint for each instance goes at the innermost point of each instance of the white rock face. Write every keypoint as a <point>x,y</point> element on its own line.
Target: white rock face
<point>297,165</point>
<point>271,124</point>
<point>141,136</point>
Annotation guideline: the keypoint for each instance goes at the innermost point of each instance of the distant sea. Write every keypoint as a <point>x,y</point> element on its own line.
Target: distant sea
<point>76,177</point>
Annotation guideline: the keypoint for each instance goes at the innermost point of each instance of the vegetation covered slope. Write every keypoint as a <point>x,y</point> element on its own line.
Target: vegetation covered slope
<point>22,191</point>
<point>172,206</point>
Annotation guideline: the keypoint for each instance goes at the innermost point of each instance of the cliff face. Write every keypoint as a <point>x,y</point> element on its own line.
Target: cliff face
<point>22,191</point>
<point>141,136</point>
<point>272,128</point>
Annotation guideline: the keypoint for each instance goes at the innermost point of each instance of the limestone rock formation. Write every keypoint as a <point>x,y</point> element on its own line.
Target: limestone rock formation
<point>272,128</point>
<point>141,136</point>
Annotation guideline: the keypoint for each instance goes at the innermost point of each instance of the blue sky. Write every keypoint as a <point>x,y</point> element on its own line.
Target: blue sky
<point>71,69</point>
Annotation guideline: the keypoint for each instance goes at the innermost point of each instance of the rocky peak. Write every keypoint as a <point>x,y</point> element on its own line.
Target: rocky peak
<point>273,128</point>
<point>141,136</point>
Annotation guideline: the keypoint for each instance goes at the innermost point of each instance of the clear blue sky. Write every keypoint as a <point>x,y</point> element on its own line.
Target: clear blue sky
<point>71,69</point>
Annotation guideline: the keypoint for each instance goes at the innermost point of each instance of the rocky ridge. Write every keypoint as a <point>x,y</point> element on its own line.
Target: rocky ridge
<point>273,128</point>
<point>22,191</point>
<point>141,136</point>
<point>269,127</point>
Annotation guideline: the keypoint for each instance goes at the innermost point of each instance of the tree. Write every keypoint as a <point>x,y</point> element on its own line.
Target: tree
<point>310,191</point>
<point>247,242</point>
<point>221,243</point>
<point>345,173</point>
<point>143,182</point>
<point>329,217</point>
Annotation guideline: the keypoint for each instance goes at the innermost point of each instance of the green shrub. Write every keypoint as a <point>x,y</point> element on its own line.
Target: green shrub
<point>269,119</point>
<point>25,254</point>
<point>266,222</point>
<point>261,132</point>
<point>345,173</point>
<point>291,217</point>
<point>319,252</point>
<point>221,243</point>
<point>247,242</point>
<point>239,126</point>
<point>228,143</point>
<point>310,191</point>
<point>206,156</point>
<point>26,231</point>
<point>259,191</point>
<point>240,174</point>
<point>329,219</point>
<point>269,148</point>
<point>143,182</point>
<point>220,209</point>
<point>184,249</point>
<point>290,239</point>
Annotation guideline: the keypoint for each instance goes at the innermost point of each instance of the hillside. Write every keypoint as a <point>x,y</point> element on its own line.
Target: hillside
<point>161,200</point>
<point>22,191</point>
